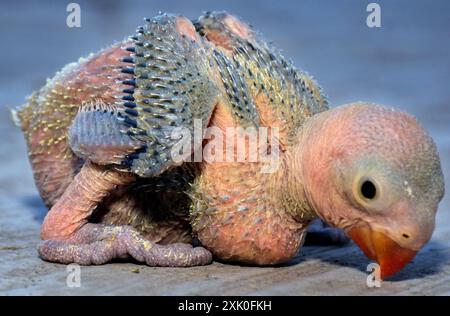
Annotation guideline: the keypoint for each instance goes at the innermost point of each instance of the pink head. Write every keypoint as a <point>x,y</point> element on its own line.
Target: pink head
<point>374,172</point>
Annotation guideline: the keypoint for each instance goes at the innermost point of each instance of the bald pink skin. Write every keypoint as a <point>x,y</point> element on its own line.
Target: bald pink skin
<point>341,148</point>
<point>357,132</point>
<point>318,172</point>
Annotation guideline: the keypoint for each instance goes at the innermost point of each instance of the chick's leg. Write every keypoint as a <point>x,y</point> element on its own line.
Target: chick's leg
<point>70,238</point>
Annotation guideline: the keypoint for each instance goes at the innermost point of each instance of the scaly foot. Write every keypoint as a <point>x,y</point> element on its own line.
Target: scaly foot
<point>98,244</point>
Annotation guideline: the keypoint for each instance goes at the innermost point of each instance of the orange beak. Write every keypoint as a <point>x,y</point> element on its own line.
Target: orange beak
<point>379,247</point>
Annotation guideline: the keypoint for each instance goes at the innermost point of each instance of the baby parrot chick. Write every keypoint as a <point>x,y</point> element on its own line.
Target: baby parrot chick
<point>101,143</point>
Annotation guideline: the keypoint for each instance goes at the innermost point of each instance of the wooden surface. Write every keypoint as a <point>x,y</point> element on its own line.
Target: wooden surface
<point>404,64</point>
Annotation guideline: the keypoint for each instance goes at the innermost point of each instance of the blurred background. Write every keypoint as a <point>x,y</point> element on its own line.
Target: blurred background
<point>405,63</point>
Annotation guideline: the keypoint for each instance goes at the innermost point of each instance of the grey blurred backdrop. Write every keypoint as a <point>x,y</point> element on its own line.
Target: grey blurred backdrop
<point>327,38</point>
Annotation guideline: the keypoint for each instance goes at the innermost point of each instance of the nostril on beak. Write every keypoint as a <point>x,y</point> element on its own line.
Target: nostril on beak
<point>406,236</point>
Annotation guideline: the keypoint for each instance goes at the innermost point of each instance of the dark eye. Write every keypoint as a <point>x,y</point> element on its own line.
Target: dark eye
<point>368,190</point>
